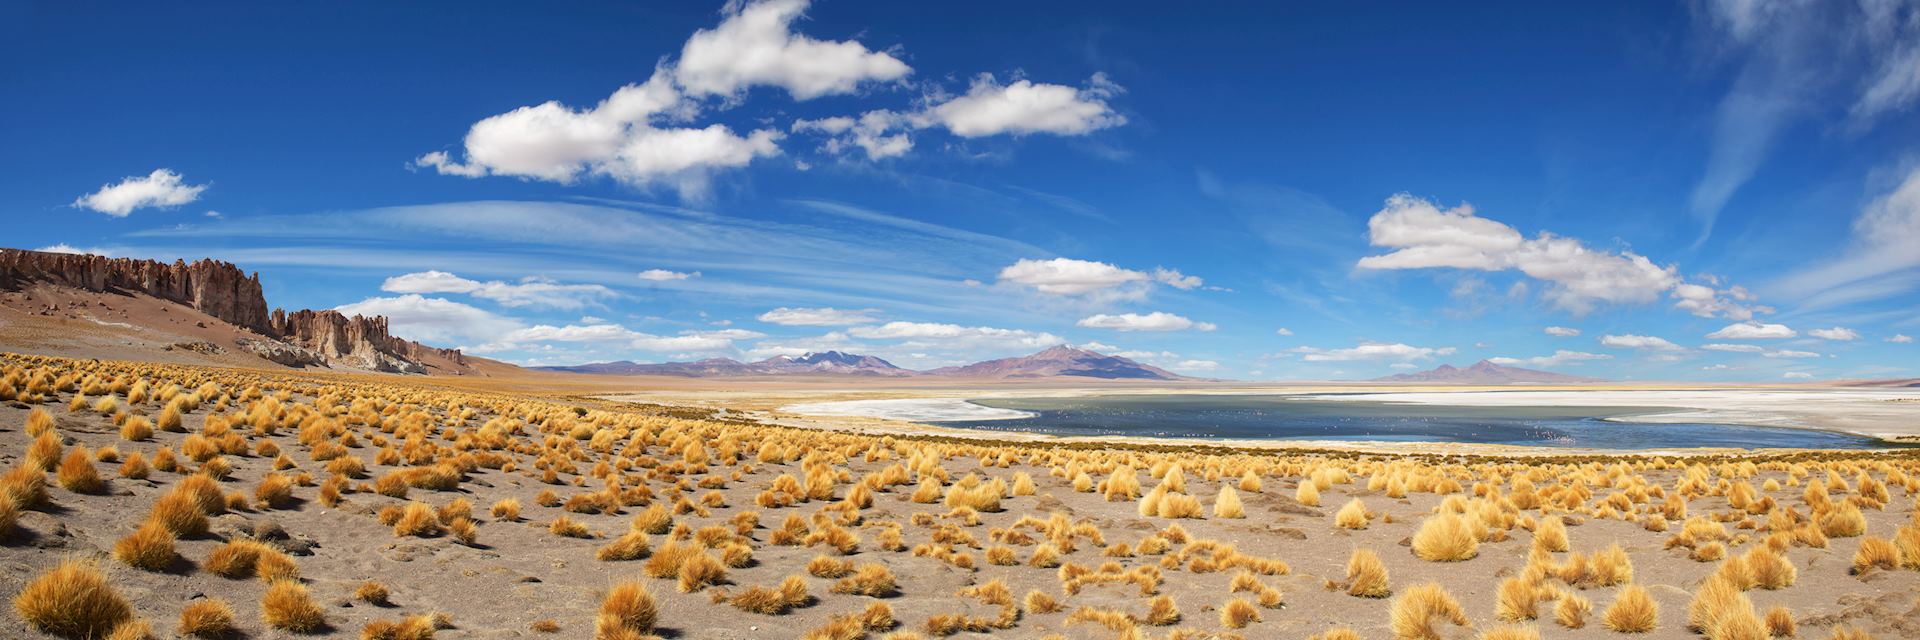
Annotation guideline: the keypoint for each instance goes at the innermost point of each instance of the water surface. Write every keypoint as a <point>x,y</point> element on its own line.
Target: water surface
<point>1270,417</point>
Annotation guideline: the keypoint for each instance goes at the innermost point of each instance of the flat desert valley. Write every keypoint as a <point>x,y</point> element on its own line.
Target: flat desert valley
<point>283,504</point>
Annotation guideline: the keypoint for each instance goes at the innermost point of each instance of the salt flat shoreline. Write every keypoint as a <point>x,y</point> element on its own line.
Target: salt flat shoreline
<point>1887,414</point>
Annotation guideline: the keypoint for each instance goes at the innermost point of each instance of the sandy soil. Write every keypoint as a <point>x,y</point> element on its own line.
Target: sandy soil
<point>519,573</point>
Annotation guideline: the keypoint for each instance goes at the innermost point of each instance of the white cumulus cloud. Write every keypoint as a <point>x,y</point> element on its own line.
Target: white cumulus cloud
<point>663,275</point>
<point>162,188</point>
<point>953,336</point>
<point>1643,343</point>
<point>817,316</point>
<point>613,335</point>
<point>1753,331</point>
<point>1155,321</point>
<point>434,321</point>
<point>1841,334</point>
<point>1563,332</point>
<point>1024,107</point>
<point>1371,351</point>
<point>531,291</point>
<point>1900,338</point>
<point>1559,357</point>
<point>756,46</point>
<point>1579,278</point>
<point>1070,277</point>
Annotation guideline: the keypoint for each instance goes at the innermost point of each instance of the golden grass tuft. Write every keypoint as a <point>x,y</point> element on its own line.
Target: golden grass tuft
<point>1571,610</point>
<point>1780,622</point>
<point>1844,521</point>
<point>208,618</point>
<point>373,593</point>
<point>418,520</point>
<point>629,546</point>
<point>627,612</point>
<point>288,606</point>
<point>825,566</point>
<point>1351,516</point>
<point>135,467</point>
<point>1366,575</point>
<point>1550,534</point>
<point>700,570</point>
<point>568,527</point>
<point>1037,601</point>
<point>149,548</point>
<point>275,491</point>
<point>1632,611</point>
<point>1516,600</point>
<point>1417,610</point>
<point>1162,611</point>
<point>179,513</point>
<point>1238,613</point>
<point>1445,537</point>
<point>1875,552</point>
<point>44,452</point>
<point>1227,504</point>
<point>136,429</point>
<point>1308,493</point>
<point>411,628</point>
<point>871,579</point>
<point>506,510</point>
<point>74,600</point>
<point>77,473</point>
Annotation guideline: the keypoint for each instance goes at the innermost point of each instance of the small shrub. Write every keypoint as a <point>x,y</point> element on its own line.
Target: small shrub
<point>288,606</point>
<point>150,547</point>
<point>1366,575</point>
<point>1351,516</point>
<point>208,618</point>
<point>77,473</point>
<point>1238,613</point>
<point>1633,611</point>
<point>72,600</point>
<point>627,612</point>
<point>1445,537</point>
<point>871,579</point>
<point>373,593</point>
<point>1415,612</point>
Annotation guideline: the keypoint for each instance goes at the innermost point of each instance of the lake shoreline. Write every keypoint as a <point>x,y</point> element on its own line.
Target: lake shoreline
<point>1693,409</point>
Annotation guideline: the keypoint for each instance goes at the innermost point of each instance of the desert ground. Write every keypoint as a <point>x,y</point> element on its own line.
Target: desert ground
<point>272,504</point>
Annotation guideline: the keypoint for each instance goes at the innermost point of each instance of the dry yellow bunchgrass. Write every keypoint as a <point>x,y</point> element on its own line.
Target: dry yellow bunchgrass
<point>1632,611</point>
<point>209,618</point>
<point>627,612</point>
<point>1419,608</point>
<point>72,599</point>
<point>1445,537</point>
<point>150,547</point>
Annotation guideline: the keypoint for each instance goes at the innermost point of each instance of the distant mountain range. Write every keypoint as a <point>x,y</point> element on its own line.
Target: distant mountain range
<point>1060,361</point>
<point>1485,372</point>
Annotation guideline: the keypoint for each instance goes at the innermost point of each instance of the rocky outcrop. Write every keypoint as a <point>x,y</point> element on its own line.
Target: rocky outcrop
<point>282,353</point>
<point>360,341</point>
<point>218,289</point>
<point>297,339</point>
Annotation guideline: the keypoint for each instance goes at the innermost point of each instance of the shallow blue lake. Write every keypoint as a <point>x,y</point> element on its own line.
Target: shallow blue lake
<point>1296,418</point>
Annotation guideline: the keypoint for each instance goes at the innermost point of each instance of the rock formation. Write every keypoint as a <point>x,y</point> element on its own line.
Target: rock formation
<point>220,289</point>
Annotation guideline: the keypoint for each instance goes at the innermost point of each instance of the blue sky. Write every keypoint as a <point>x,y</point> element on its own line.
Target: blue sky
<point>1696,191</point>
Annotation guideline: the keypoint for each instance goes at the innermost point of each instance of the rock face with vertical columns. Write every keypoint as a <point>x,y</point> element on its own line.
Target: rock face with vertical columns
<point>222,290</point>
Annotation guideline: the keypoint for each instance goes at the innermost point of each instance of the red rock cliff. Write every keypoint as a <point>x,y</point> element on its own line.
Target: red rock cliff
<point>218,289</point>
<point>358,340</point>
<point>222,290</point>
